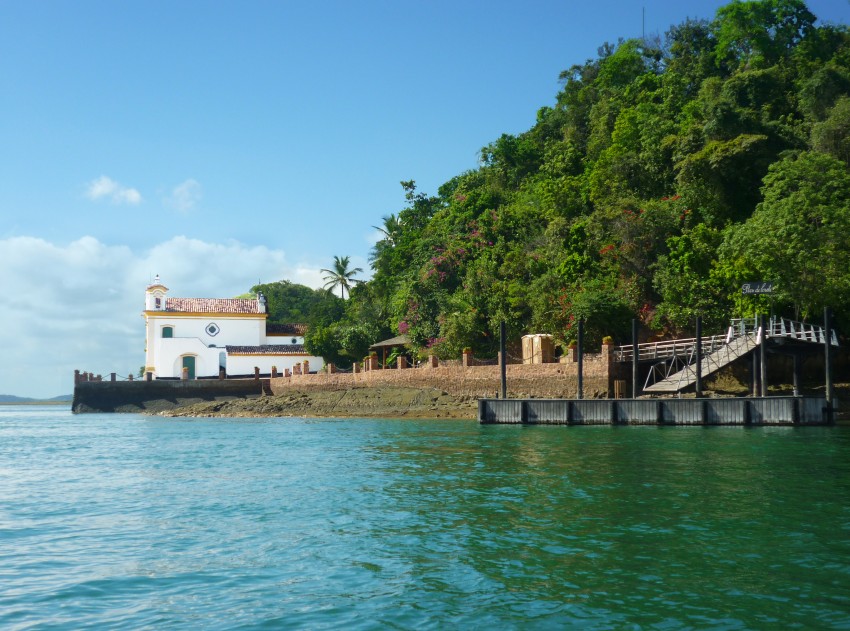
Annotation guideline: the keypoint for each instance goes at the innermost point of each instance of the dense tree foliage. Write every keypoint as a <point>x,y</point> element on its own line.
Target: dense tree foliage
<point>666,173</point>
<point>288,303</point>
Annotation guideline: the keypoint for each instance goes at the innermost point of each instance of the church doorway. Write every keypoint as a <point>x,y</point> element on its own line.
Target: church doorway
<point>189,362</point>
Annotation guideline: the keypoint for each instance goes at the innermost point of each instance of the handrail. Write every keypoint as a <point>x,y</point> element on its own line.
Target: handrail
<point>739,327</point>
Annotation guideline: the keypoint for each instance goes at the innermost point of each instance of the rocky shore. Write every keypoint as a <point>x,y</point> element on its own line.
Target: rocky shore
<point>386,402</point>
<point>383,402</point>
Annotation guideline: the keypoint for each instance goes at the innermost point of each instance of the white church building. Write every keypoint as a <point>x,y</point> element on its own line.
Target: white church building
<point>205,335</point>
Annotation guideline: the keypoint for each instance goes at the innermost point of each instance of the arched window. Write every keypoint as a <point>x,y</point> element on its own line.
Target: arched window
<point>157,302</point>
<point>167,331</point>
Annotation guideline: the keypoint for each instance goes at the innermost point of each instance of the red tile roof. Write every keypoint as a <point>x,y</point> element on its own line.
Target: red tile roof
<point>212,305</point>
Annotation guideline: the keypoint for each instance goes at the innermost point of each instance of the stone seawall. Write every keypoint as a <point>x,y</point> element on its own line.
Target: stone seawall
<point>523,380</point>
<point>555,380</point>
<point>159,395</point>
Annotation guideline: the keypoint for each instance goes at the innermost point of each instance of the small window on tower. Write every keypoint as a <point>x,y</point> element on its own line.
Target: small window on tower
<point>158,302</point>
<point>167,331</point>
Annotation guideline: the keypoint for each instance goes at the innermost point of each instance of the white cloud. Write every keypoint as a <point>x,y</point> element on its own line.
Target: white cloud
<point>78,305</point>
<point>185,196</point>
<point>104,187</point>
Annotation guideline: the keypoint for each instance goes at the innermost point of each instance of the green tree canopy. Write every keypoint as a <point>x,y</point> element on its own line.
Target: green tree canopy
<point>664,174</point>
<point>799,236</point>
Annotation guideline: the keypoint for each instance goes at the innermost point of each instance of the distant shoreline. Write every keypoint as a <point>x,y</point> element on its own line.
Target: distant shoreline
<point>68,402</point>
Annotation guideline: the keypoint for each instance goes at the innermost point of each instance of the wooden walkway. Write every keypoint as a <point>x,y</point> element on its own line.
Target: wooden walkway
<point>674,361</point>
<point>710,363</point>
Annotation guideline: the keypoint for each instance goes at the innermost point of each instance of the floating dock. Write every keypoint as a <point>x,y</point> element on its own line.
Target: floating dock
<point>732,411</point>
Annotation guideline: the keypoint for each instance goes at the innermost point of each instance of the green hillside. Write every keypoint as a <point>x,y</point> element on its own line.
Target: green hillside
<point>665,174</point>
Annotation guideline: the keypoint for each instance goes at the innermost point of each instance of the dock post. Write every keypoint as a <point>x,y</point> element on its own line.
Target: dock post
<point>798,372</point>
<point>827,360</point>
<point>580,351</point>
<point>698,384</point>
<point>634,358</point>
<point>763,355</point>
<point>503,360</point>
<point>754,374</point>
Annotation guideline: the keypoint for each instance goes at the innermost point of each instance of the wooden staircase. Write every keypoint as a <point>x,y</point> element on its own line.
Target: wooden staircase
<point>674,361</point>
<point>711,363</point>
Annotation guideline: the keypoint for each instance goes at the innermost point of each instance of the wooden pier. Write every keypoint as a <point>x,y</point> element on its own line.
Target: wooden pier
<point>732,411</point>
<point>673,363</point>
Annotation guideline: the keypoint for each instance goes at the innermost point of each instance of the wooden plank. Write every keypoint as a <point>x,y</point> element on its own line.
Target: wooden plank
<point>682,411</point>
<point>547,411</point>
<point>772,411</point>
<point>500,411</point>
<point>636,411</point>
<point>591,412</point>
<point>810,410</point>
<point>725,411</point>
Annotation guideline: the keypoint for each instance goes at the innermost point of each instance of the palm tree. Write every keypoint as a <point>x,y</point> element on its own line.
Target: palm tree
<point>390,229</point>
<point>390,232</point>
<point>340,276</point>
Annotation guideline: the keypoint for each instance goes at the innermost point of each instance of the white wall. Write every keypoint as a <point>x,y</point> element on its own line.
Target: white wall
<point>284,339</point>
<point>232,331</point>
<point>191,338</point>
<point>171,352</point>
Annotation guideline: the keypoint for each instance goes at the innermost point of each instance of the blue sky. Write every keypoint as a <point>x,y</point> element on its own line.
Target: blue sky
<point>219,143</point>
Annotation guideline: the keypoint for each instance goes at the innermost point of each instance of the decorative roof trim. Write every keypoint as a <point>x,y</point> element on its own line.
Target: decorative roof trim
<point>205,314</point>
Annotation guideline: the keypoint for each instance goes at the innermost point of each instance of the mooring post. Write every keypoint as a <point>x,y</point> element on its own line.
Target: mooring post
<point>754,374</point>
<point>763,355</point>
<point>634,358</point>
<point>755,367</point>
<point>580,351</point>
<point>798,369</point>
<point>827,360</point>
<point>503,360</point>
<point>698,384</point>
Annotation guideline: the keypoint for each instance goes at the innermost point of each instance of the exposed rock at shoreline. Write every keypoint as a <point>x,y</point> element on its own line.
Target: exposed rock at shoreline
<point>377,402</point>
<point>395,402</point>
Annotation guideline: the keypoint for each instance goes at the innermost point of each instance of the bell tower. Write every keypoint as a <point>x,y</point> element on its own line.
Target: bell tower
<point>155,295</point>
<point>154,301</point>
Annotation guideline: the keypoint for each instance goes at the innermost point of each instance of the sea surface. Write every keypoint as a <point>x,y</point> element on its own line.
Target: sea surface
<point>134,522</point>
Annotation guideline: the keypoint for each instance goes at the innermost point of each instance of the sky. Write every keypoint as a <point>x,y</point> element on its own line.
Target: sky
<point>222,144</point>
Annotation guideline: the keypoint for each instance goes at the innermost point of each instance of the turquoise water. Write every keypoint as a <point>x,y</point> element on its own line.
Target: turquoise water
<point>124,521</point>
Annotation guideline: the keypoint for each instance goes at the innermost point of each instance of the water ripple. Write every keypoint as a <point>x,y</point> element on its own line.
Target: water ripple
<point>115,522</point>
